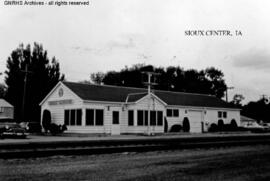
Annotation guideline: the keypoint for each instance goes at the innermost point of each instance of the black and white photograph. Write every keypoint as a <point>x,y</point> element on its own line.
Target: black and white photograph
<point>134,90</point>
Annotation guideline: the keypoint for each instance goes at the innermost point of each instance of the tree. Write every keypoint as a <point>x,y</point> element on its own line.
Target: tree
<point>129,77</point>
<point>2,90</point>
<point>237,100</point>
<point>217,82</point>
<point>258,110</point>
<point>97,77</point>
<point>42,75</point>
<point>209,81</point>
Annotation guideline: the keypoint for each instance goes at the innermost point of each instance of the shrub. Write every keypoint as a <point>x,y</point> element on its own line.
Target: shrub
<point>46,120</point>
<point>176,128</point>
<point>213,128</point>
<point>64,128</point>
<point>33,127</point>
<point>234,126</point>
<point>165,125</point>
<point>186,125</point>
<point>227,127</point>
<point>221,126</point>
<point>57,129</point>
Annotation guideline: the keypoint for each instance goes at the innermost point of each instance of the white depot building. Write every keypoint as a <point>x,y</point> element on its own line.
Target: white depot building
<point>90,108</point>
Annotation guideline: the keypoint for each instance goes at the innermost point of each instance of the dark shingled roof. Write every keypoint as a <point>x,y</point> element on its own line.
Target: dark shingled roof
<point>102,93</point>
<point>188,99</point>
<point>135,97</point>
<point>120,94</point>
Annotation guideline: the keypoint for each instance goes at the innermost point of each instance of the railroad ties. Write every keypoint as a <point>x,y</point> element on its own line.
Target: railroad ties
<point>89,147</point>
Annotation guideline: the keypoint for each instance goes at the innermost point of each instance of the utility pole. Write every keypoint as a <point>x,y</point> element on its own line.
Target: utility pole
<point>265,98</point>
<point>24,90</point>
<point>149,84</point>
<point>228,88</point>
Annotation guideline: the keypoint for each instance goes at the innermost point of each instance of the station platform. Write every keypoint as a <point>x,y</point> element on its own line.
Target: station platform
<point>88,137</point>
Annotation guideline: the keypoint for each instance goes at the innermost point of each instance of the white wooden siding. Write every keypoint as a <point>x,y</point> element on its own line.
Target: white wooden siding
<point>175,120</point>
<point>212,117</point>
<point>143,104</point>
<point>234,115</point>
<point>195,120</point>
<point>208,115</point>
<point>6,112</point>
<point>57,111</point>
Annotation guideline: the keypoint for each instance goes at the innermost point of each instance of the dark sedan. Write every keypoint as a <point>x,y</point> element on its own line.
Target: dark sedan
<point>12,130</point>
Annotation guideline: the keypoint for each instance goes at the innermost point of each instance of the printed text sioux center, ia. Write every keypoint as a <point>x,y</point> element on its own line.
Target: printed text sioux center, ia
<point>212,33</point>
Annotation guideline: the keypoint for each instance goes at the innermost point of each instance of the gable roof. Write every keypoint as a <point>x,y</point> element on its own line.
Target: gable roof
<point>246,119</point>
<point>95,92</point>
<point>92,92</point>
<point>4,103</point>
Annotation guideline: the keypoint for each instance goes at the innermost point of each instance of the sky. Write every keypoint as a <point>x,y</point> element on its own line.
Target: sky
<point>111,34</point>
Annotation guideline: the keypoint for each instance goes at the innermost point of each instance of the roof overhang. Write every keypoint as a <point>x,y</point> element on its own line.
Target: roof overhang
<point>211,108</point>
<point>152,95</point>
<point>104,102</point>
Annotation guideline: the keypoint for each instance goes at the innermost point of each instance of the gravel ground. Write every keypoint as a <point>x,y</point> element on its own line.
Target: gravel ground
<point>236,163</point>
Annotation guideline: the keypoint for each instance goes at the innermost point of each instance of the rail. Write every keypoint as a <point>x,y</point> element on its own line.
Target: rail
<point>88,147</point>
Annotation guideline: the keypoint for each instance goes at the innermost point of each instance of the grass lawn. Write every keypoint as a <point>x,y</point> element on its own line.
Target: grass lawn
<point>236,163</point>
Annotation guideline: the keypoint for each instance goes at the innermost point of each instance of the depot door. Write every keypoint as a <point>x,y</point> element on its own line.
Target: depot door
<point>115,123</point>
<point>195,119</point>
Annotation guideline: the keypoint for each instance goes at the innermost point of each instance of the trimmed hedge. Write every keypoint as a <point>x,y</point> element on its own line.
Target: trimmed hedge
<point>186,125</point>
<point>176,128</point>
<point>57,129</point>
<point>46,120</point>
<point>224,127</point>
<point>213,128</point>
<point>221,126</point>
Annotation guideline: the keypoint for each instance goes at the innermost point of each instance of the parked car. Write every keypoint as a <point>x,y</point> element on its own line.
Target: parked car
<point>256,128</point>
<point>265,125</point>
<point>12,129</point>
<point>32,127</point>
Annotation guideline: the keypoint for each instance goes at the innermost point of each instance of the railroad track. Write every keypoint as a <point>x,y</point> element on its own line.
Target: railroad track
<point>88,147</point>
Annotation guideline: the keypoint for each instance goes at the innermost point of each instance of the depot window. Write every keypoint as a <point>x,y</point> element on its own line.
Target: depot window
<point>156,118</point>
<point>130,117</point>
<point>94,117</point>
<point>222,114</point>
<point>159,118</point>
<point>172,113</point>
<point>153,118</point>
<point>73,117</point>
<point>140,118</point>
